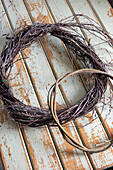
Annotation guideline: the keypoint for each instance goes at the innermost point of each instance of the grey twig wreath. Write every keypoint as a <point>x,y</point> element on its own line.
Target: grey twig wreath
<point>27,115</point>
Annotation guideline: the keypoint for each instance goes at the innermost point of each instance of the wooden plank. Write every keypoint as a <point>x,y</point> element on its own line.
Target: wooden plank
<point>58,10</point>
<point>57,69</point>
<point>104,18</point>
<point>60,142</point>
<point>102,9</point>
<point>9,130</point>
<point>102,53</point>
<point>38,141</point>
<point>45,156</point>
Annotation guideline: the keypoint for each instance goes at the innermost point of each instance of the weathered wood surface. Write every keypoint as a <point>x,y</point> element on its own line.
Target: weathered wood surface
<point>44,148</point>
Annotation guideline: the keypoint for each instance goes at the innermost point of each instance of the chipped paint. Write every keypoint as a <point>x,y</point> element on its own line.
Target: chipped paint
<point>3,159</point>
<point>110,12</point>
<point>41,139</point>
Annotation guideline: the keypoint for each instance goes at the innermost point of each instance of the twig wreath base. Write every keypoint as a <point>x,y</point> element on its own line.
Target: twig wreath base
<point>26,115</point>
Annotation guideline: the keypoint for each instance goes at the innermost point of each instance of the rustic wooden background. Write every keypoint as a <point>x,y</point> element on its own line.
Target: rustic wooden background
<point>44,148</point>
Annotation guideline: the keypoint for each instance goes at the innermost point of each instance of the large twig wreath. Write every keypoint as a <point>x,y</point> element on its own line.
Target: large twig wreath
<point>27,115</point>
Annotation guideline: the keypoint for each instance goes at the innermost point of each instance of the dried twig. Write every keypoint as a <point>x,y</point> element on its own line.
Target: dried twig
<point>67,31</point>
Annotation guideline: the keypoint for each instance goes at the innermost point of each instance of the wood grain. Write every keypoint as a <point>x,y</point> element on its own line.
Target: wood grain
<point>48,59</point>
<point>98,133</point>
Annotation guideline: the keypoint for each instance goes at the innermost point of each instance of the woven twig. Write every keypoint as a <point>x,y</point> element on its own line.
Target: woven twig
<point>66,31</point>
